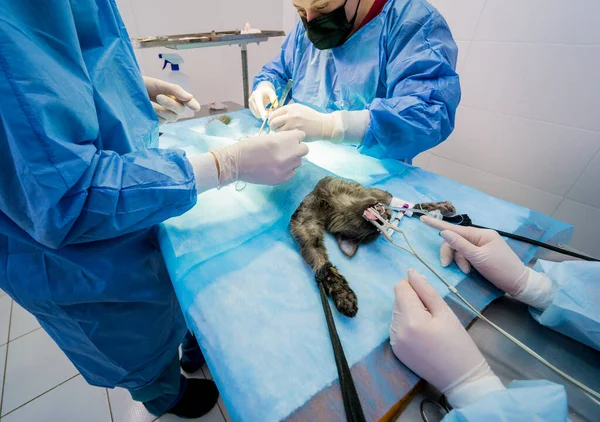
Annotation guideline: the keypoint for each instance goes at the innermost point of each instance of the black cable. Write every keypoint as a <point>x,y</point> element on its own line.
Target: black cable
<point>540,244</point>
<point>352,406</point>
<point>465,220</point>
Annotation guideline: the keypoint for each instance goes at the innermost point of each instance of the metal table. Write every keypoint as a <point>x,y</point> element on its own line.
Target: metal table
<point>211,39</point>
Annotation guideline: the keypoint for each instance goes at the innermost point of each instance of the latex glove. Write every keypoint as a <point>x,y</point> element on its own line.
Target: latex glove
<point>263,95</point>
<point>428,338</point>
<point>487,251</point>
<point>169,100</point>
<point>265,160</point>
<point>317,126</point>
<point>205,171</point>
<point>336,127</point>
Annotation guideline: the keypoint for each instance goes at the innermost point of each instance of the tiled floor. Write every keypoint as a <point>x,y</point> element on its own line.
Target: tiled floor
<point>38,383</point>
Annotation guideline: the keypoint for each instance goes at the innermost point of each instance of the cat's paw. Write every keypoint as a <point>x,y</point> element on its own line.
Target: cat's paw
<point>338,289</point>
<point>345,301</point>
<point>446,207</point>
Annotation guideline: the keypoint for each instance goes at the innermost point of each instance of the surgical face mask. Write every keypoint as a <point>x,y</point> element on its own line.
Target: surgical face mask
<point>330,30</point>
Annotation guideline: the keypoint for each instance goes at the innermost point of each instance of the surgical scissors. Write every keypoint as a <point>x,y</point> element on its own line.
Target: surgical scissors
<point>276,104</point>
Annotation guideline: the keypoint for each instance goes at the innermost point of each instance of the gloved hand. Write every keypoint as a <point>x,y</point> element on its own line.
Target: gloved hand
<point>263,95</point>
<point>317,126</point>
<point>169,100</point>
<point>336,127</point>
<point>264,160</point>
<point>494,259</point>
<point>428,338</point>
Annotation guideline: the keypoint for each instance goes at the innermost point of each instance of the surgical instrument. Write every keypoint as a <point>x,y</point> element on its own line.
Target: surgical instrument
<point>276,104</point>
<point>384,227</point>
<point>465,220</point>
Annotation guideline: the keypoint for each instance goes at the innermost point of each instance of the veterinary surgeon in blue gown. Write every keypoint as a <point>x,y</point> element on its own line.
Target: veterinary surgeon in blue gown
<point>379,74</point>
<point>428,338</point>
<point>83,186</point>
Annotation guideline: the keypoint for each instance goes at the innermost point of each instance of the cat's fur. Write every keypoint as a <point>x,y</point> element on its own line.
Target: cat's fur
<point>336,206</point>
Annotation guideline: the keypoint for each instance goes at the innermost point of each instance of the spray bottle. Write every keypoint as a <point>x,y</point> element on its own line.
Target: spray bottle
<point>176,76</point>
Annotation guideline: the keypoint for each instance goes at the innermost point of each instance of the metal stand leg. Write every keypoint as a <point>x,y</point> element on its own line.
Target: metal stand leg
<point>245,75</point>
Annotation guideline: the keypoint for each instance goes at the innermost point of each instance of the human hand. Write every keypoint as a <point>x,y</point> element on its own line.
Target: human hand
<point>486,251</point>
<point>317,126</point>
<point>169,100</point>
<point>264,160</point>
<point>428,338</point>
<point>263,95</point>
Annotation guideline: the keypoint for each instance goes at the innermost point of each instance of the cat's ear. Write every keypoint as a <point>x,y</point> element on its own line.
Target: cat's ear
<point>347,246</point>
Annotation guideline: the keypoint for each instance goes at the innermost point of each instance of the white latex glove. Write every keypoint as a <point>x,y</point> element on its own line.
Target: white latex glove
<point>264,160</point>
<point>428,338</point>
<point>205,171</point>
<point>263,95</point>
<point>487,251</point>
<point>317,126</point>
<point>169,100</point>
<point>336,127</point>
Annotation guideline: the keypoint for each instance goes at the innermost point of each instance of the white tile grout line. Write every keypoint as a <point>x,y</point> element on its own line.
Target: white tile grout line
<point>497,176</point>
<point>221,409</point>
<point>577,181</point>
<point>9,318</point>
<point>23,335</point>
<point>479,20</point>
<point>468,50</point>
<point>544,43</point>
<point>218,404</point>
<point>39,395</point>
<point>6,366</point>
<point>6,356</point>
<point>532,119</point>
<point>112,419</point>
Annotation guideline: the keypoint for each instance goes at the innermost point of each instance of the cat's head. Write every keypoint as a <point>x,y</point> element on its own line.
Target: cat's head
<point>352,229</point>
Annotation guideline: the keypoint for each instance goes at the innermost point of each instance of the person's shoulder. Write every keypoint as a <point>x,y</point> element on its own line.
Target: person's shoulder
<point>414,11</point>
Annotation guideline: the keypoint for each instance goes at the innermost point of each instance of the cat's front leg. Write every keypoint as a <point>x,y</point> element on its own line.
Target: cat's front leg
<point>338,289</point>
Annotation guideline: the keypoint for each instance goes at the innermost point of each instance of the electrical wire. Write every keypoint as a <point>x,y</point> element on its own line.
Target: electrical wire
<point>537,243</point>
<point>593,395</point>
<point>465,220</point>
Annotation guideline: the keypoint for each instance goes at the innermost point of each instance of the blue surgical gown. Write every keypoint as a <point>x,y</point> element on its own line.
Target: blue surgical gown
<point>82,188</point>
<point>400,67</point>
<point>574,312</point>
<point>522,401</point>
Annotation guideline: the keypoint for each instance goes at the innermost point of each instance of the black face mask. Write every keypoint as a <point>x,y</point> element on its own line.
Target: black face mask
<point>330,30</point>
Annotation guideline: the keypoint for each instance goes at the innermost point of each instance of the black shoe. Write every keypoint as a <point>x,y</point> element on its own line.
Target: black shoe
<point>192,358</point>
<point>199,397</point>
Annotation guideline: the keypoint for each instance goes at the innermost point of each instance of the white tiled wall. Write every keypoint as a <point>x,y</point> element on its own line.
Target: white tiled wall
<point>215,73</point>
<point>528,128</point>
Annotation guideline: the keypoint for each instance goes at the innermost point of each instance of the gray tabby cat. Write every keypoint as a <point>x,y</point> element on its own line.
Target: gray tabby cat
<point>336,206</point>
